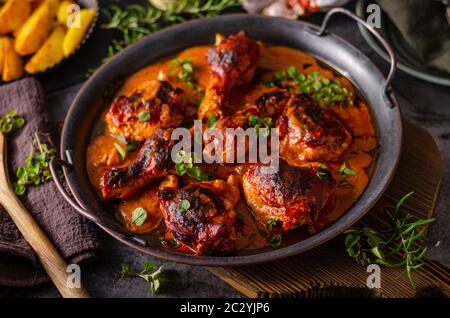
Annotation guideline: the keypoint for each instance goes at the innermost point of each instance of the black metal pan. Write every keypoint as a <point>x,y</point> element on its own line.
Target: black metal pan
<point>332,50</point>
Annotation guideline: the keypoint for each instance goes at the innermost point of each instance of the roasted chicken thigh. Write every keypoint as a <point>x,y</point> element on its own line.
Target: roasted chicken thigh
<point>289,197</point>
<point>153,162</point>
<point>233,63</point>
<point>201,215</point>
<point>137,117</point>
<point>310,132</point>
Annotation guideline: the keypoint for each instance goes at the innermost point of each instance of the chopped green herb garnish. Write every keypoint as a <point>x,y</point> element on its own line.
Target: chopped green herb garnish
<point>346,171</point>
<point>151,274</point>
<point>36,170</point>
<point>10,121</point>
<point>144,116</point>
<point>260,124</point>
<point>139,216</point>
<point>324,90</point>
<point>212,121</point>
<point>399,246</point>
<point>272,222</point>
<point>121,151</point>
<point>183,206</point>
<point>132,145</point>
<point>275,241</point>
<point>184,164</point>
<point>185,73</point>
<point>322,172</point>
<point>169,242</point>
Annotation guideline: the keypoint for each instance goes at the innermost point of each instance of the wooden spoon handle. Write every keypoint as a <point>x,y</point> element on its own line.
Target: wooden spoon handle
<point>51,260</point>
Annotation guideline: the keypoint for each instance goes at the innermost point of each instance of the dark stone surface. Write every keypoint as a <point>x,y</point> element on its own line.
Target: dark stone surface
<point>421,102</point>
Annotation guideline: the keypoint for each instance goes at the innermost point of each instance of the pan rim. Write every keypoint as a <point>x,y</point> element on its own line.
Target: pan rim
<point>344,222</point>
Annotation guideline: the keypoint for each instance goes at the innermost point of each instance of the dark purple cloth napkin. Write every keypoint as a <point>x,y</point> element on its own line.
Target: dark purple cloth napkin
<point>75,237</point>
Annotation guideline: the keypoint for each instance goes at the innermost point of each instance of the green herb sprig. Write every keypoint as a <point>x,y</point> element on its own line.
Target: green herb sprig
<point>401,247</point>
<point>184,164</point>
<point>346,171</point>
<point>130,146</point>
<point>275,241</point>
<point>36,170</point>
<point>151,273</point>
<point>323,173</point>
<point>10,121</point>
<point>272,222</point>
<point>212,121</point>
<point>260,124</point>
<point>324,90</point>
<point>136,21</point>
<point>184,69</point>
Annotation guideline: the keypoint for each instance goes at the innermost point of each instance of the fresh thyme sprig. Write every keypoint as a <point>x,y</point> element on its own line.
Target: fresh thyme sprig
<point>405,240</point>
<point>36,170</point>
<point>10,121</point>
<point>201,8</point>
<point>150,273</point>
<point>136,21</point>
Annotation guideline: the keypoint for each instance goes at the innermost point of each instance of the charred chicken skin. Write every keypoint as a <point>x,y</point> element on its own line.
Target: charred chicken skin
<point>153,162</point>
<point>233,63</point>
<point>138,116</point>
<point>270,104</point>
<point>310,132</point>
<point>201,215</point>
<point>289,197</point>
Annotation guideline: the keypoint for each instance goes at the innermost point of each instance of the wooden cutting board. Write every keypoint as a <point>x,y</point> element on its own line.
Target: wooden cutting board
<point>327,271</point>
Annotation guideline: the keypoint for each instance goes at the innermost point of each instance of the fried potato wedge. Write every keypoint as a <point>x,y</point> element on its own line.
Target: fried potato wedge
<point>75,33</point>
<point>12,64</point>
<point>2,55</point>
<point>13,14</point>
<point>50,53</point>
<point>63,13</point>
<point>36,29</point>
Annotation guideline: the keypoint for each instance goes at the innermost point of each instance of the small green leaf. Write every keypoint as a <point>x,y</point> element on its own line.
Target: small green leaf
<point>122,152</point>
<point>275,241</point>
<point>344,170</point>
<point>132,145</point>
<point>19,122</point>
<point>144,116</point>
<point>212,121</point>
<point>150,267</point>
<point>180,169</point>
<point>198,174</point>
<point>184,205</point>
<point>376,251</point>
<point>273,221</point>
<point>125,269</point>
<point>139,216</point>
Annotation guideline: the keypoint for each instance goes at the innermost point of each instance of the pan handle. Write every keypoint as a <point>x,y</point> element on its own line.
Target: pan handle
<point>58,162</point>
<point>54,164</point>
<point>387,89</point>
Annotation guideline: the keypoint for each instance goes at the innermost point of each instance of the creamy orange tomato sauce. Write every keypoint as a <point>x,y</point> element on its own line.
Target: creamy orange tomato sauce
<point>102,153</point>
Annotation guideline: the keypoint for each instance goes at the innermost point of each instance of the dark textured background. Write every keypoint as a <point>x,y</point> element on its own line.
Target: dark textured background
<point>423,103</point>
